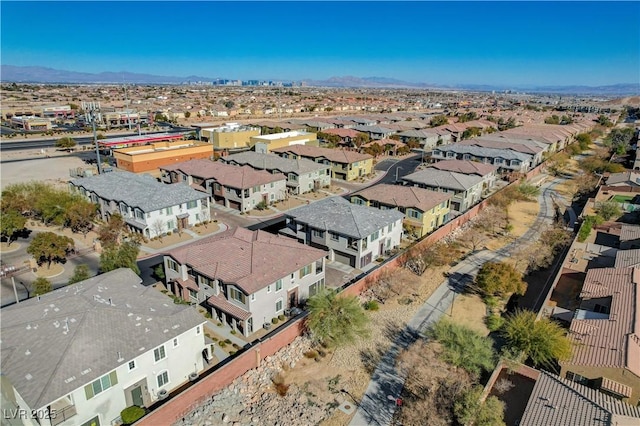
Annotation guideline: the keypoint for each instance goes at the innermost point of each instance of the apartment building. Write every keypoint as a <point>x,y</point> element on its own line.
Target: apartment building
<point>147,206</point>
<point>245,278</point>
<point>345,165</point>
<point>268,143</point>
<point>81,354</point>
<point>466,190</point>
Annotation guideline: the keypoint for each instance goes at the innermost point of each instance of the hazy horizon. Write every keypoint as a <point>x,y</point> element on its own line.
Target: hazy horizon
<point>484,43</point>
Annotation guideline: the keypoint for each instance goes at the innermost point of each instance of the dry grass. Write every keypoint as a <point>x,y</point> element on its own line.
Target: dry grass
<point>470,311</point>
<point>48,272</point>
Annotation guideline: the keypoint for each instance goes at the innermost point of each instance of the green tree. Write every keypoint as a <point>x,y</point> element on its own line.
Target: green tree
<point>80,215</point>
<point>438,120</point>
<point>120,256</point>
<point>603,120</point>
<point>470,410</point>
<point>542,341</point>
<point>80,273</point>
<point>467,116</point>
<point>110,232</point>
<point>65,142</point>
<point>229,104</point>
<point>336,320</point>
<point>49,247</point>
<point>565,119</point>
<point>608,209</point>
<point>187,114</point>
<point>464,347</point>
<point>11,222</point>
<point>41,286</point>
<point>471,132</point>
<point>500,279</point>
<point>584,140</point>
<point>361,139</point>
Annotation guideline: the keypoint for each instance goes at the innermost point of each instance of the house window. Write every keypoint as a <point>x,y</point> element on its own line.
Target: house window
<point>577,378</point>
<point>169,210</point>
<point>334,236</point>
<point>278,305</point>
<point>170,225</point>
<point>305,271</point>
<point>172,265</point>
<point>132,365</point>
<point>375,236</point>
<point>163,378</point>
<point>279,285</point>
<point>390,227</point>
<point>357,200</point>
<point>193,294</point>
<point>175,342</point>
<point>237,295</point>
<point>319,266</point>
<point>317,233</point>
<point>414,214</point>
<point>139,214</point>
<point>198,330</point>
<point>159,353</point>
<point>100,385</point>
<point>192,204</point>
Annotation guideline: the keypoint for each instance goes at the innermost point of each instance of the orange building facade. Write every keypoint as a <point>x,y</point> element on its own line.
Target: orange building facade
<point>148,158</point>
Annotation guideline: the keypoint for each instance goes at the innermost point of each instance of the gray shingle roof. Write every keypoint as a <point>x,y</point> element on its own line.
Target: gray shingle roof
<point>443,179</point>
<point>274,162</point>
<point>403,196</point>
<point>339,215</point>
<point>627,258</point>
<point>482,151</point>
<point>73,335</point>
<point>142,191</point>
<point>559,402</point>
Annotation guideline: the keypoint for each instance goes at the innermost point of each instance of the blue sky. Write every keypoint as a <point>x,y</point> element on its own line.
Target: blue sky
<point>505,43</point>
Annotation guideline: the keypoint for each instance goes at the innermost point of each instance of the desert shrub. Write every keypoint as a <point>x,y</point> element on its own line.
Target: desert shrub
<point>227,341</point>
<point>311,354</point>
<point>274,320</point>
<point>494,322</point>
<point>233,332</point>
<point>280,386</point>
<point>281,317</point>
<point>371,305</point>
<point>131,414</point>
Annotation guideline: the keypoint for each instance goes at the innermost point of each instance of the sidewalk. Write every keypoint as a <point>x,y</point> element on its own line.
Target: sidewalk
<point>151,251</point>
<point>377,406</point>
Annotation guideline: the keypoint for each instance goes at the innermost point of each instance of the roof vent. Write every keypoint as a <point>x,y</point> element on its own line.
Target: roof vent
<point>120,359</point>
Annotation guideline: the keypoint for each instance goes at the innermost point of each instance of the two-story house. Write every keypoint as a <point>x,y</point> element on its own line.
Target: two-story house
<point>487,172</point>
<point>466,190</point>
<point>302,175</point>
<point>424,210</point>
<point>345,165</point>
<point>245,277</point>
<point>375,132</point>
<point>81,354</point>
<point>147,206</point>
<point>238,187</point>
<point>506,160</point>
<point>354,235</point>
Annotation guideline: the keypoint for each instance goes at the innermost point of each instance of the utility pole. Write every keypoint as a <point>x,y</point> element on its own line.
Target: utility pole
<point>92,113</point>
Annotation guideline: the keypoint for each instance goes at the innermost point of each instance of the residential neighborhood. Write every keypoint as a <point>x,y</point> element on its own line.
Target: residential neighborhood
<point>300,255</point>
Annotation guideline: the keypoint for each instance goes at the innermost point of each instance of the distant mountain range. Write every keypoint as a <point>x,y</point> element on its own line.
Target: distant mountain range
<point>35,74</point>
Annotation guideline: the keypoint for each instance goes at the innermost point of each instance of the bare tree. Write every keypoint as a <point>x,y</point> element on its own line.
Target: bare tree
<point>205,215</point>
<point>473,238</point>
<point>158,227</point>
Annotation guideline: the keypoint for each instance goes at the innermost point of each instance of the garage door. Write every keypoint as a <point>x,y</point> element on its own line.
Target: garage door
<point>234,205</point>
<point>345,258</point>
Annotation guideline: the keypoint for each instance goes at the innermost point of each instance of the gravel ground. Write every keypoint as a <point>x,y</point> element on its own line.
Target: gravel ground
<point>35,166</point>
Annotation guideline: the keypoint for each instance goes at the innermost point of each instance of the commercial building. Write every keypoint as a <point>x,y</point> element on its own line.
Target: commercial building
<point>267,143</point>
<point>149,158</point>
<point>230,136</point>
<point>31,123</point>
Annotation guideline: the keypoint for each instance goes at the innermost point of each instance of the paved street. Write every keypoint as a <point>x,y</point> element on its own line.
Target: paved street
<point>377,406</point>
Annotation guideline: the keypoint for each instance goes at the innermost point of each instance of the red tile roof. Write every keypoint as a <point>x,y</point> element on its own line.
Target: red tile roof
<point>611,342</point>
<point>333,155</point>
<point>465,167</point>
<point>241,177</point>
<point>249,259</point>
<point>225,306</point>
<point>343,133</point>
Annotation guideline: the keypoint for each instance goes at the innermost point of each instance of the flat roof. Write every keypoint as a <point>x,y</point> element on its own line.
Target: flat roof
<point>133,140</point>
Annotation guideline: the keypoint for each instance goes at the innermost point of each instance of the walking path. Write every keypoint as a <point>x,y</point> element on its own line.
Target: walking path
<point>195,235</point>
<point>377,406</point>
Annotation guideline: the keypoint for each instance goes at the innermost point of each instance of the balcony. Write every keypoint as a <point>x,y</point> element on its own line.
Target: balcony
<point>62,410</point>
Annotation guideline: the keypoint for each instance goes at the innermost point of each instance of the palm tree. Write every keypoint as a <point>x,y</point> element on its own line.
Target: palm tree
<point>335,320</point>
